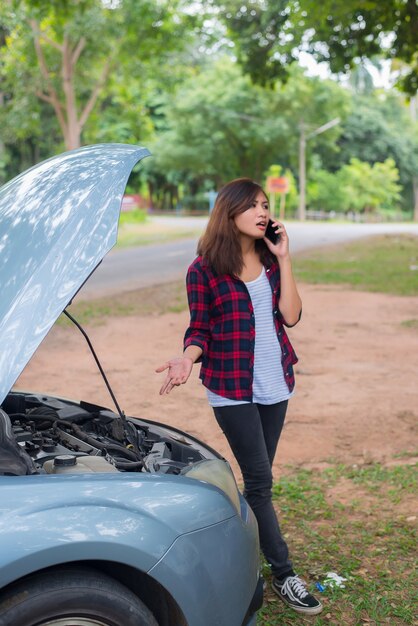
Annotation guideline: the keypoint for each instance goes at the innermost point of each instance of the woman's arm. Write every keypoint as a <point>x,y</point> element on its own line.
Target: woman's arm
<point>179,368</point>
<point>196,337</point>
<point>290,303</point>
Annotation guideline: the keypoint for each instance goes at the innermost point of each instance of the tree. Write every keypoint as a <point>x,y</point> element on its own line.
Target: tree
<point>269,34</point>
<point>370,187</point>
<point>345,32</point>
<point>70,49</point>
<point>379,127</point>
<point>325,192</point>
<point>262,35</point>
<point>357,186</point>
<point>220,126</point>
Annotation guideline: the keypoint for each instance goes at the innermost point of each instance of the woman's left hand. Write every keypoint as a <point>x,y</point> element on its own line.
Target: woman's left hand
<point>281,248</point>
<point>179,370</point>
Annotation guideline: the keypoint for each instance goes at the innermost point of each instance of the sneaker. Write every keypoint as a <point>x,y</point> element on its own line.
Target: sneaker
<point>293,592</point>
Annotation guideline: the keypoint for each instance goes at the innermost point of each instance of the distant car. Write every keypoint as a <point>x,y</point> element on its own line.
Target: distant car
<point>105,520</point>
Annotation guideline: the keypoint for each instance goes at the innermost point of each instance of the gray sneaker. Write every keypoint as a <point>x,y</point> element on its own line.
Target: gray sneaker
<point>293,592</point>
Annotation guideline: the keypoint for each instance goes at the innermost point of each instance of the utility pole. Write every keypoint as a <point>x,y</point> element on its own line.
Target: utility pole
<point>303,138</point>
<point>413,111</point>
<point>302,172</point>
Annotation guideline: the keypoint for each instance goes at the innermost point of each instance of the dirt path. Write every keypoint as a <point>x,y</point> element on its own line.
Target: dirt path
<point>357,392</point>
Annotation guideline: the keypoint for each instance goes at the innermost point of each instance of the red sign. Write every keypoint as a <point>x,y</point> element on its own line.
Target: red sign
<point>131,202</point>
<point>279,184</point>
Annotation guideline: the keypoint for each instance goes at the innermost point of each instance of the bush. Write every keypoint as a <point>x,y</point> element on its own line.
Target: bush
<point>358,186</point>
<point>137,216</point>
<point>325,193</point>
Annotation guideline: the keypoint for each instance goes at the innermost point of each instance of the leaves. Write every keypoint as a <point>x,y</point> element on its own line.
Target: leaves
<point>268,34</point>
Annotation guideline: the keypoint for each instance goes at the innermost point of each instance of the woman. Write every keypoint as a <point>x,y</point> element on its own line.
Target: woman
<point>241,294</point>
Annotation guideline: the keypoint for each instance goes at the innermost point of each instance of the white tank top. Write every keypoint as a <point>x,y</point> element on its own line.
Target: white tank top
<point>269,385</point>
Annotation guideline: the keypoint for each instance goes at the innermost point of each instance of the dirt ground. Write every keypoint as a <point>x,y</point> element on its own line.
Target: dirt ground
<point>356,395</point>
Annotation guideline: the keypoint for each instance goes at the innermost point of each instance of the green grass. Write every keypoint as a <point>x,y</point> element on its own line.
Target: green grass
<point>356,263</point>
<point>135,231</point>
<point>139,237</point>
<point>166,298</point>
<point>413,324</point>
<point>359,522</point>
<point>137,216</point>
<point>387,264</point>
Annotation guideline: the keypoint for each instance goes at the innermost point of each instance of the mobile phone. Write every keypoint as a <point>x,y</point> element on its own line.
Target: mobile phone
<point>271,233</point>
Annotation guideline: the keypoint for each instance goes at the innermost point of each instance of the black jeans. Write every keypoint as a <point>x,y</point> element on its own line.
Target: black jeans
<point>253,432</point>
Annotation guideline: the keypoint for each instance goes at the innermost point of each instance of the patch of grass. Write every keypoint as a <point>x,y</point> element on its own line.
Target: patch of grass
<point>325,265</point>
<point>138,216</point>
<point>132,234</point>
<point>406,454</point>
<point>386,264</point>
<point>371,476</point>
<point>166,298</point>
<point>370,541</point>
<point>413,324</point>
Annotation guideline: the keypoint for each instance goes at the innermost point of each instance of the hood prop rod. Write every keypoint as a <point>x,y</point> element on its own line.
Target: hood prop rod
<point>83,332</point>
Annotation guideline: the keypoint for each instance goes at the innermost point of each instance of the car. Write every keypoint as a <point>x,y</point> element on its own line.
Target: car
<point>105,519</point>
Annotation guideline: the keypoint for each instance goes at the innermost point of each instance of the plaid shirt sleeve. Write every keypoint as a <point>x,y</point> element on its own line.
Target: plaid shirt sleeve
<point>198,295</point>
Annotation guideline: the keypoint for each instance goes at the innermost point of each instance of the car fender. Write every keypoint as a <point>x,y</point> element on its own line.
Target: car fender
<point>127,518</point>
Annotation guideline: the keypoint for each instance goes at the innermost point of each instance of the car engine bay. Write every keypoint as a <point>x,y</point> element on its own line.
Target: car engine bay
<point>43,434</point>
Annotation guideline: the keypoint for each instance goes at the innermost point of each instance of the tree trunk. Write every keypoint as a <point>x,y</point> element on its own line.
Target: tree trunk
<point>71,121</point>
<point>67,72</point>
<point>302,173</point>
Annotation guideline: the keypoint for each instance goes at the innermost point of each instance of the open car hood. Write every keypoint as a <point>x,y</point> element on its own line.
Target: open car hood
<point>57,222</point>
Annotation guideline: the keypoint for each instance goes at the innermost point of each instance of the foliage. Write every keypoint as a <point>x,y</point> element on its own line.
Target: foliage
<point>310,101</point>
<point>263,37</point>
<point>144,73</point>
<point>121,116</point>
<point>62,52</point>
<point>220,126</point>
<point>370,187</point>
<point>378,127</point>
<point>269,34</point>
<point>137,216</point>
<point>347,31</point>
<point>325,193</point>
<point>217,126</point>
<point>357,186</point>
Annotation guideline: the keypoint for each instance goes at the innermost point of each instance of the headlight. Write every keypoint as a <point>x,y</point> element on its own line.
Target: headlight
<point>217,473</point>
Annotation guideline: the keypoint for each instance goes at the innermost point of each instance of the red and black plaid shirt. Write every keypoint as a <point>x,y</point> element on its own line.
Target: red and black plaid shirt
<point>222,324</point>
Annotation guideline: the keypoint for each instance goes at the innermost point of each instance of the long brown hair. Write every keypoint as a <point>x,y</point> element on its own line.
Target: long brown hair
<point>220,244</point>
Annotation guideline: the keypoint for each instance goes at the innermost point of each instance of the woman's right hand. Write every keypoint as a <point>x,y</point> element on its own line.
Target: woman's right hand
<point>179,370</point>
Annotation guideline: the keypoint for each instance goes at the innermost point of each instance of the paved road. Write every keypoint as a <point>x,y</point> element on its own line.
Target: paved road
<point>132,268</point>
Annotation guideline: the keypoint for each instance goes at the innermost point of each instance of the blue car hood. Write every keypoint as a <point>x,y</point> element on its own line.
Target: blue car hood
<point>57,222</point>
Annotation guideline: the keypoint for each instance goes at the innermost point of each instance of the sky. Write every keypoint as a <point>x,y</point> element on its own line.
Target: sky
<point>381,79</point>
